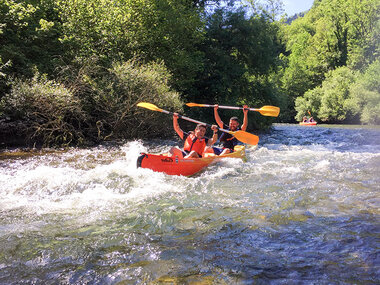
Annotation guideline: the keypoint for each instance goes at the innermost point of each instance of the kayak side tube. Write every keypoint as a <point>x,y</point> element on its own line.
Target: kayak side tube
<point>183,166</point>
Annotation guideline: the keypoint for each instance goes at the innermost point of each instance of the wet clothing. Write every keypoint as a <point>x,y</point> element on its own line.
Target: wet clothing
<point>193,143</point>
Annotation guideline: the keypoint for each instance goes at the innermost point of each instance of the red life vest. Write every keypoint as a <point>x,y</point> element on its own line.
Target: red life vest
<point>193,143</point>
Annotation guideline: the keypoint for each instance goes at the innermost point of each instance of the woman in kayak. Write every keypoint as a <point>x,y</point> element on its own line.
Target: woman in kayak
<point>228,141</point>
<point>195,143</point>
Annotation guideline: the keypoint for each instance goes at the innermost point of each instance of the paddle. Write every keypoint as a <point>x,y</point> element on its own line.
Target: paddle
<point>271,111</point>
<point>239,135</point>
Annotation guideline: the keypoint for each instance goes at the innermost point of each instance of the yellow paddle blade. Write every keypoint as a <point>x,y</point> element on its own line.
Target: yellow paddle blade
<point>195,105</point>
<point>149,106</point>
<point>271,111</point>
<point>246,137</point>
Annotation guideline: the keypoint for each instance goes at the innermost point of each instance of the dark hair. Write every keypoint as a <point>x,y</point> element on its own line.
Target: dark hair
<point>201,125</point>
<point>235,119</point>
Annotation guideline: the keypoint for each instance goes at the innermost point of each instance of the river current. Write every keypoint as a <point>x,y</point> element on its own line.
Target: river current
<point>304,209</point>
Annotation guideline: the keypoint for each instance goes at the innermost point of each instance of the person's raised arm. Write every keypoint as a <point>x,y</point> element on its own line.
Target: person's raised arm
<point>176,125</point>
<point>214,136</point>
<point>245,120</point>
<point>217,118</point>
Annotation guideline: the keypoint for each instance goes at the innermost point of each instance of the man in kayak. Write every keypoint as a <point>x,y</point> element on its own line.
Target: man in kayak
<point>228,141</point>
<point>195,143</point>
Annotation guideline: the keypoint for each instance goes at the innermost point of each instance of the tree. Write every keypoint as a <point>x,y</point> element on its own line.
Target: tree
<point>310,103</point>
<point>364,33</point>
<point>303,69</point>
<point>333,34</point>
<point>365,94</point>
<point>271,8</point>
<point>335,95</point>
<point>235,48</point>
<point>29,33</point>
<point>167,30</point>
<point>329,102</point>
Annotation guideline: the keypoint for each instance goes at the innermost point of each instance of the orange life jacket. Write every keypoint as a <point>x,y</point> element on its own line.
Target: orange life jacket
<point>193,143</point>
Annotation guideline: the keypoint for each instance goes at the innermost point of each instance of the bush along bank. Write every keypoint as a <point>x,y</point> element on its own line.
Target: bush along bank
<point>94,104</point>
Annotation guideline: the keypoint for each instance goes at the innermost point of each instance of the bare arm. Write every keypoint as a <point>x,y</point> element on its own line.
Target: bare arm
<point>245,120</point>
<point>176,125</point>
<point>215,135</point>
<point>217,118</point>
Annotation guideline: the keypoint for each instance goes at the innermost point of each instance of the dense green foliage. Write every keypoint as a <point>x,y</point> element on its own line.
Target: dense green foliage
<point>29,38</point>
<point>333,34</point>
<point>167,30</point>
<point>365,95</point>
<point>99,105</point>
<point>330,101</point>
<point>49,112</point>
<point>240,53</point>
<point>106,55</point>
<point>110,96</point>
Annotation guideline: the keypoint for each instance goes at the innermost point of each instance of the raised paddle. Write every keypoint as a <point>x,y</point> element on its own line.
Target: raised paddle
<point>240,135</point>
<point>271,111</point>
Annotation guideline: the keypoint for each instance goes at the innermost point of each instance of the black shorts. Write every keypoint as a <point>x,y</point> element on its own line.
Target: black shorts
<point>218,150</point>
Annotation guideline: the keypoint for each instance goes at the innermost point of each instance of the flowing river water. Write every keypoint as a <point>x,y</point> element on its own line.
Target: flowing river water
<point>304,209</point>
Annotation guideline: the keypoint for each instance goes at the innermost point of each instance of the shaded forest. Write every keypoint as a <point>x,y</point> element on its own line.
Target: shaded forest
<point>72,72</point>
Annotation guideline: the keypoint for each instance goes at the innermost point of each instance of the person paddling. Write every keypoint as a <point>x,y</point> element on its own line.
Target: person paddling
<point>195,143</point>
<point>228,141</point>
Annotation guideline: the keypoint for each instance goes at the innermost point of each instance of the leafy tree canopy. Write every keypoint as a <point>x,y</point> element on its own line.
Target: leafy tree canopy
<point>333,34</point>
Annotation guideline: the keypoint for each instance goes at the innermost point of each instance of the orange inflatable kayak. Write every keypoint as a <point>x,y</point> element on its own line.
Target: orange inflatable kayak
<point>308,123</point>
<point>183,166</point>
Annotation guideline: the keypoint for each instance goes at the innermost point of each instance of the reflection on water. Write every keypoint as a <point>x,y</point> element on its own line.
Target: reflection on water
<point>303,209</point>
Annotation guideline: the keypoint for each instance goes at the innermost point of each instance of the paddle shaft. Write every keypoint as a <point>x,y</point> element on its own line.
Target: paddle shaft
<point>229,107</point>
<point>239,135</point>
<point>194,121</point>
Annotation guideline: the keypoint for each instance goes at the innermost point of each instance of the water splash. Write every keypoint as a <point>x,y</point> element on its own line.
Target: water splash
<point>304,202</point>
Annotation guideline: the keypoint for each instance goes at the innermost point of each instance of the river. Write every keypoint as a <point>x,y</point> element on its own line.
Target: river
<point>304,209</point>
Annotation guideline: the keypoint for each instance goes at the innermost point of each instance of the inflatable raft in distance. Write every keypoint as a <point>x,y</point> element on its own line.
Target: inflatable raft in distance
<point>308,123</point>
